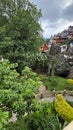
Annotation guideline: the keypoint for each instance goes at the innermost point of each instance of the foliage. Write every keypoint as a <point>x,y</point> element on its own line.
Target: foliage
<point>41,118</point>
<point>20,35</point>
<point>18,125</point>
<point>36,61</point>
<point>70,84</point>
<point>70,81</point>
<point>41,61</point>
<point>17,92</point>
<point>70,102</point>
<point>69,87</point>
<point>68,41</point>
<point>64,110</point>
<point>3,119</point>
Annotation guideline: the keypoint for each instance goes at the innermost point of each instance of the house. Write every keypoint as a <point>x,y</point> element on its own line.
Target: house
<point>70,29</point>
<point>70,35</point>
<point>63,36</point>
<point>45,47</point>
<point>64,33</point>
<point>58,39</point>
<point>63,48</point>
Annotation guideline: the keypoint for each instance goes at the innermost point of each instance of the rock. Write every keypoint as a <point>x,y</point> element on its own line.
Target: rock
<point>13,118</point>
<point>62,67</point>
<point>70,51</point>
<point>71,73</point>
<point>55,49</point>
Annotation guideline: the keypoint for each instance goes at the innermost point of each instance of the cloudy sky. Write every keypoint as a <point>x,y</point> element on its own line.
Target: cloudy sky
<point>57,15</point>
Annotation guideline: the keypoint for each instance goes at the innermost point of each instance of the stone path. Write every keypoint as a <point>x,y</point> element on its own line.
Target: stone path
<point>13,118</point>
<point>42,90</point>
<point>51,99</point>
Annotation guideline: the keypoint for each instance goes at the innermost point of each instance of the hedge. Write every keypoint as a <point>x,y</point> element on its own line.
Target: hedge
<point>64,110</point>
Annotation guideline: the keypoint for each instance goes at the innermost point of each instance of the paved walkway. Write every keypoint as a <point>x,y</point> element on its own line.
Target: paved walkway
<point>51,99</point>
<point>69,126</point>
<point>48,96</point>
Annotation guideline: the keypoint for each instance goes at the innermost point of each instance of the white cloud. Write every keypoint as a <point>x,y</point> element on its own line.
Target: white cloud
<point>67,3</point>
<point>60,26</point>
<point>56,15</point>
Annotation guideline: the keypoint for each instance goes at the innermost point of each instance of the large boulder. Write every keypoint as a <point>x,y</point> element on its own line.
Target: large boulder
<point>70,51</point>
<point>55,49</point>
<point>71,73</point>
<point>62,66</point>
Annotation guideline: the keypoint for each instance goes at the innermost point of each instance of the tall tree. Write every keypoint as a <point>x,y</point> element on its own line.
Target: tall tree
<point>21,31</point>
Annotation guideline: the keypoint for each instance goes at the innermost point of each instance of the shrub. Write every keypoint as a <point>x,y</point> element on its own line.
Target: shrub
<point>70,81</point>
<point>64,110</point>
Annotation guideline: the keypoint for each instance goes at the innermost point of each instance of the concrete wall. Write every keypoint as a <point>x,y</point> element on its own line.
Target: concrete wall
<point>69,127</point>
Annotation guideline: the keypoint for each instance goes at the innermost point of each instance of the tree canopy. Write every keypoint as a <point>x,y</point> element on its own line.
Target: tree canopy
<point>20,31</point>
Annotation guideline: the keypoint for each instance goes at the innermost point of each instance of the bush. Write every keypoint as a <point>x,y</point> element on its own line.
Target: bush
<point>64,110</point>
<point>70,81</point>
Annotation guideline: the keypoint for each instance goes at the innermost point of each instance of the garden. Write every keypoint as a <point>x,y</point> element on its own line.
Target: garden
<point>18,95</point>
<point>23,68</point>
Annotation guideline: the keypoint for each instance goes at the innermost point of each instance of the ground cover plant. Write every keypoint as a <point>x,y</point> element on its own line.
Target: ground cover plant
<point>17,92</point>
<point>43,117</point>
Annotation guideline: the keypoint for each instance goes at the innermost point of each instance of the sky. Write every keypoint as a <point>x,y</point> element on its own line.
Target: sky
<point>57,15</point>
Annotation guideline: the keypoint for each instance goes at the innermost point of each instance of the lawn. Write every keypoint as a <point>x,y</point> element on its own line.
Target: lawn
<point>57,83</point>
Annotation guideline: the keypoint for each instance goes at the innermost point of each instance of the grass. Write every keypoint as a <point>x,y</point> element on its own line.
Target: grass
<point>57,83</point>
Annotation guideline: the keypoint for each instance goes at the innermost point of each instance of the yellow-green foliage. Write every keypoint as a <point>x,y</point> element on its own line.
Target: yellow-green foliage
<point>64,110</point>
<point>70,81</point>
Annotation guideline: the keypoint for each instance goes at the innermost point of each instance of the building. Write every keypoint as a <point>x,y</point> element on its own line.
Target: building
<point>70,35</point>
<point>70,29</point>
<point>45,47</point>
<point>63,36</point>
<point>63,48</point>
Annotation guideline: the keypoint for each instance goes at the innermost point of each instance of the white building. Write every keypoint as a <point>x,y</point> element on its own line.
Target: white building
<point>63,48</point>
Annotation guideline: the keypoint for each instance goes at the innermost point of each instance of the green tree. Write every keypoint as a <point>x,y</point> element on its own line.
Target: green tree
<point>21,31</point>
